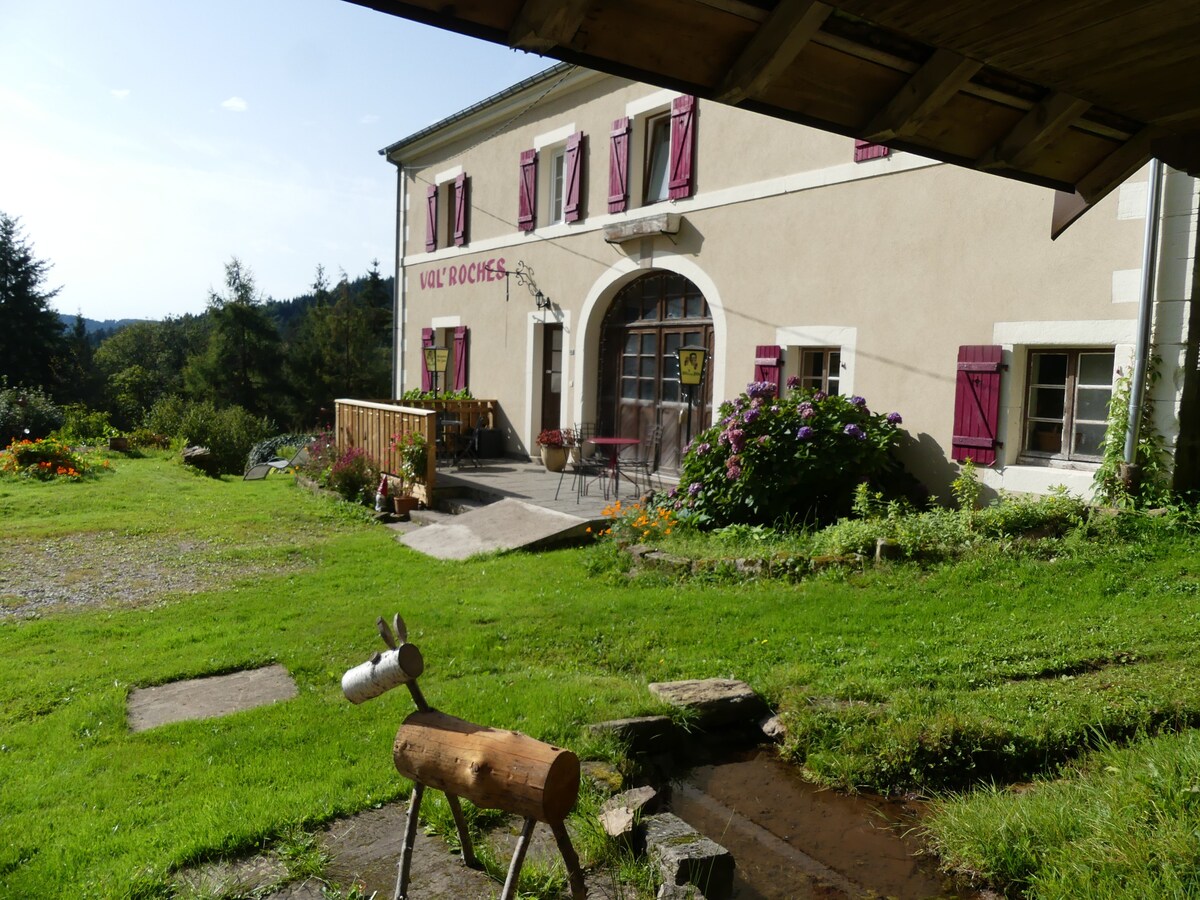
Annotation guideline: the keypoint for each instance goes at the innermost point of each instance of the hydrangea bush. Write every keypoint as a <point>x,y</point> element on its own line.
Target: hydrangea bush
<point>772,459</point>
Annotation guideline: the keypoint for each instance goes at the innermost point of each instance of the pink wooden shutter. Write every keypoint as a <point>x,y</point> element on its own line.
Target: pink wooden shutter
<point>426,341</point>
<point>460,210</point>
<point>767,365</point>
<point>618,166</point>
<point>864,150</point>
<point>573,176</point>
<point>527,211</point>
<point>977,404</point>
<point>431,218</point>
<point>460,357</point>
<point>683,147</point>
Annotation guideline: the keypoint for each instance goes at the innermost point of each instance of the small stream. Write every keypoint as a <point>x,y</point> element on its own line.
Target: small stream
<point>792,840</point>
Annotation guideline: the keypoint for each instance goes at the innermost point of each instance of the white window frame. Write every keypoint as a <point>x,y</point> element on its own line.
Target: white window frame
<point>556,179</point>
<point>642,113</point>
<point>1070,418</point>
<point>796,340</point>
<point>445,207</point>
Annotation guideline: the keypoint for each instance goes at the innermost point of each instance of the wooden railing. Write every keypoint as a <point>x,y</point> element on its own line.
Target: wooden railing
<point>465,411</point>
<point>371,426</point>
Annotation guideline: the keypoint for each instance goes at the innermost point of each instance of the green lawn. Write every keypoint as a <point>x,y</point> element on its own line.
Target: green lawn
<point>995,669</point>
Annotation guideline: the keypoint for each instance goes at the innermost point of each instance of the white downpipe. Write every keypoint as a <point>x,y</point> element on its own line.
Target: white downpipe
<point>400,315</point>
<point>1137,387</point>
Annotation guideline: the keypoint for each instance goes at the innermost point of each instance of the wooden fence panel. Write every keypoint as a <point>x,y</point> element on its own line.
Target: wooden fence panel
<point>371,426</point>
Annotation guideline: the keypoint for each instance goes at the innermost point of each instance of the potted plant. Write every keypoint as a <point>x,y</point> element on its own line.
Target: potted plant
<point>410,450</point>
<point>555,445</point>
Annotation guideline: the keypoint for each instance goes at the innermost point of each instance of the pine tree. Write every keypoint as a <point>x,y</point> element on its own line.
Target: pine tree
<point>32,336</point>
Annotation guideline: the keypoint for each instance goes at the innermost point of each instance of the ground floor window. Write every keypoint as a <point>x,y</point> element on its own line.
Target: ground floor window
<point>820,369</point>
<point>1066,408</point>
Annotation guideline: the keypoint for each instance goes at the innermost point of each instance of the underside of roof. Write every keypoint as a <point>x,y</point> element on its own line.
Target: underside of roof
<point>1074,95</point>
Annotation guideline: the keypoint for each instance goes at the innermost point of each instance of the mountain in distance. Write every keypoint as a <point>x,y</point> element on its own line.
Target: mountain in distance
<point>92,326</point>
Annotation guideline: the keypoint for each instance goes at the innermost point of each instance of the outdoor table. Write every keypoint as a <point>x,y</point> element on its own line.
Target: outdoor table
<point>613,446</point>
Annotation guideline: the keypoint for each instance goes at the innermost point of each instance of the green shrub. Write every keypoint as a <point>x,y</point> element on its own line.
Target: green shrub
<point>85,426</point>
<point>772,459</point>
<point>26,413</point>
<point>228,433</point>
<point>166,416</point>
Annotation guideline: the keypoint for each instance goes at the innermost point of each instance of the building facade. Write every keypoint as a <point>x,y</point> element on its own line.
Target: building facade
<point>563,238</point>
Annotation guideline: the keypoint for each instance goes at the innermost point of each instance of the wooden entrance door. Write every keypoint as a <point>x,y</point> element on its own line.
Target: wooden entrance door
<point>552,363</point>
<point>648,321</point>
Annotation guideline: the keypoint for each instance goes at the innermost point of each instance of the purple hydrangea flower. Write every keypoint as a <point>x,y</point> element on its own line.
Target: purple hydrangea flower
<point>793,382</point>
<point>762,389</point>
<point>733,473</point>
<point>893,418</point>
<point>806,411</point>
<point>804,433</point>
<point>673,492</point>
<point>751,414</point>
<point>701,449</point>
<point>858,401</point>
<point>694,488</point>
<point>819,396</point>
<point>855,432</point>
<point>763,438</point>
<point>737,439</point>
<point>775,408</point>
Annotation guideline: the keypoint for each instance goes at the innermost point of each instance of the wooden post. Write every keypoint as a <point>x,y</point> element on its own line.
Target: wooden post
<point>410,837</point>
<point>494,769</point>
<point>514,867</point>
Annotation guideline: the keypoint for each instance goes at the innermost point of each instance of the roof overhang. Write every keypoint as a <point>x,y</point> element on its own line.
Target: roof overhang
<point>1075,95</point>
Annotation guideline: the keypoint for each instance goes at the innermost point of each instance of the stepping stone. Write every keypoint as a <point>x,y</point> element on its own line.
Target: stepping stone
<point>207,698</point>
<point>715,701</point>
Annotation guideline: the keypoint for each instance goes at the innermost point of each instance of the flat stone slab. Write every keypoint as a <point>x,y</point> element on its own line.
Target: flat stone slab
<point>684,856</point>
<point>501,526</point>
<point>207,698</point>
<point>715,701</point>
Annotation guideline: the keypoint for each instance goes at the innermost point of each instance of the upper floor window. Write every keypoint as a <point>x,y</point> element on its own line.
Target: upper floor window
<point>664,166</point>
<point>1066,409</point>
<point>557,181</point>
<point>560,182</point>
<point>446,213</point>
<point>658,159</point>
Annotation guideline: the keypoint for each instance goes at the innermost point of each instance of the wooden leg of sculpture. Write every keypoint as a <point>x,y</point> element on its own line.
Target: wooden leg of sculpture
<point>571,860</point>
<point>514,867</point>
<point>464,836</point>
<point>410,837</point>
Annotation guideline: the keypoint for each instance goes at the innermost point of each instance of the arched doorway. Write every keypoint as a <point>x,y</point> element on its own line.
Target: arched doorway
<point>648,320</point>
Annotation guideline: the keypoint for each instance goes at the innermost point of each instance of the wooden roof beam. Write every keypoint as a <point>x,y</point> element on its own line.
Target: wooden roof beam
<point>1098,183</point>
<point>928,90</point>
<point>544,24</point>
<point>1029,137</point>
<point>774,47</point>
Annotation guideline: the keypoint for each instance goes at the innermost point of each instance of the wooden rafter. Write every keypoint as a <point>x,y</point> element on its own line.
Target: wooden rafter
<point>1117,166</point>
<point>543,24</point>
<point>1029,137</point>
<point>928,90</point>
<point>774,47</point>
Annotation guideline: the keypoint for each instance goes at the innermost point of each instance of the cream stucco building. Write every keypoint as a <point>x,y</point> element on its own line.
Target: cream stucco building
<point>562,238</point>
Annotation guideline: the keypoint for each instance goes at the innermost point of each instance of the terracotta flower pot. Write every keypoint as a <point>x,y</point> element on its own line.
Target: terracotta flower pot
<point>554,458</point>
<point>404,505</point>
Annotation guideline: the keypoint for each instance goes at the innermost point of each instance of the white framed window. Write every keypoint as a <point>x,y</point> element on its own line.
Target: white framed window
<point>1066,403</point>
<point>556,177</point>
<point>821,369</point>
<point>657,157</point>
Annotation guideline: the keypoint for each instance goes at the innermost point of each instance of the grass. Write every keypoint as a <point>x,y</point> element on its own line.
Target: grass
<point>998,667</point>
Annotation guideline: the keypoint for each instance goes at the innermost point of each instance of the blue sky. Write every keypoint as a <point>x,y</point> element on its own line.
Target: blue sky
<point>143,143</point>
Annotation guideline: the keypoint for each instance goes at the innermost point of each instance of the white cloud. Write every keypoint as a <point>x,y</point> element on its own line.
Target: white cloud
<point>368,119</point>
<point>120,93</point>
<point>235,104</point>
